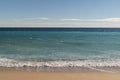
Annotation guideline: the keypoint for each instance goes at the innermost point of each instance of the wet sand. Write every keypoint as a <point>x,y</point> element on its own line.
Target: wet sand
<point>23,75</point>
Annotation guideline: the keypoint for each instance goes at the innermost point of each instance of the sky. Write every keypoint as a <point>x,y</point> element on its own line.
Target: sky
<point>59,13</point>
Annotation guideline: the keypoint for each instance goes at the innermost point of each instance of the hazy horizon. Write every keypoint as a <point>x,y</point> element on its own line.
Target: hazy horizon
<point>60,13</point>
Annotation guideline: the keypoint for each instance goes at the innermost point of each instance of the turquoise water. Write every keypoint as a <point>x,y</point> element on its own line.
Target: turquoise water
<point>57,48</point>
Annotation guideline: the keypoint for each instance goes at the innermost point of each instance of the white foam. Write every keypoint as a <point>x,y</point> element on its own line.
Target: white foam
<point>4,62</point>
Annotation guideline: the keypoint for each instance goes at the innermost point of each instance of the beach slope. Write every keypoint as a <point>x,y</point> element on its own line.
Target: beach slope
<point>19,75</point>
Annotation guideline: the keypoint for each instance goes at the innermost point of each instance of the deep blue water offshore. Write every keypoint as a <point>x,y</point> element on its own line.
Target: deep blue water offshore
<point>59,48</point>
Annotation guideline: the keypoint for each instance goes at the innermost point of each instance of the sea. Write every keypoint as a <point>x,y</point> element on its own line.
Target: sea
<point>60,49</point>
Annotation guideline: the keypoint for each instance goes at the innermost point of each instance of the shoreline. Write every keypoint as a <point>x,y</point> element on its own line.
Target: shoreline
<point>113,69</point>
<point>23,75</point>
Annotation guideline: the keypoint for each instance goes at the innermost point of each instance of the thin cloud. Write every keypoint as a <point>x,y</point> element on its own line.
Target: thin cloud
<point>65,22</point>
<point>39,19</point>
<point>72,19</point>
<point>94,20</point>
<point>103,20</point>
<point>112,19</point>
<point>44,18</point>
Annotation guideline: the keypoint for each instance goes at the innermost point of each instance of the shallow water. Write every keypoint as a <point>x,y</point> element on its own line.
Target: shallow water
<point>59,49</point>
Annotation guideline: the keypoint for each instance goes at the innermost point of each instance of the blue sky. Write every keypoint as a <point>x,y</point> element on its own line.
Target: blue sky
<point>59,13</point>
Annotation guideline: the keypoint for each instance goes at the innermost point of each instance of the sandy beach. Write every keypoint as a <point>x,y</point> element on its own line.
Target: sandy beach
<point>21,75</point>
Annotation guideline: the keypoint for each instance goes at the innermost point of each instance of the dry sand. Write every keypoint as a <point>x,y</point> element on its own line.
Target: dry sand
<point>20,75</point>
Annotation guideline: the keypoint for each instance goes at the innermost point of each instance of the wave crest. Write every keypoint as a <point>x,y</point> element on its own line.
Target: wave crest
<point>4,62</point>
